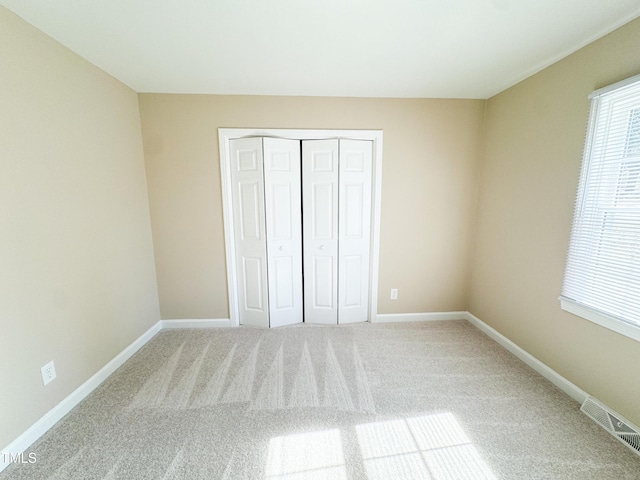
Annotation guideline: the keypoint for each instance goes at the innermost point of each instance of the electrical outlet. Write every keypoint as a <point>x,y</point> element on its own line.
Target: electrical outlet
<point>394,294</point>
<point>48,373</point>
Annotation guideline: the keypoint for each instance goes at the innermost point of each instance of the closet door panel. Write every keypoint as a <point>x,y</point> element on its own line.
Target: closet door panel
<point>355,226</point>
<point>249,231</point>
<point>323,285</point>
<point>320,230</point>
<point>253,290</point>
<point>284,230</point>
<point>353,271</point>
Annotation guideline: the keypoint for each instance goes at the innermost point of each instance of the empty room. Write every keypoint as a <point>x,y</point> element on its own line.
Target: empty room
<point>320,240</point>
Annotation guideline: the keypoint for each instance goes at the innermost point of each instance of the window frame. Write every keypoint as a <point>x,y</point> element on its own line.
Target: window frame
<point>602,318</point>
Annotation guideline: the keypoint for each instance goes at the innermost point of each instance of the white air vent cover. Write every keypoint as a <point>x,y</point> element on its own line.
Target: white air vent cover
<point>612,422</point>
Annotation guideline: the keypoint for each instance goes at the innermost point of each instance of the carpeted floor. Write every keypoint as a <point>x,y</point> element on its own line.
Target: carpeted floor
<point>434,400</point>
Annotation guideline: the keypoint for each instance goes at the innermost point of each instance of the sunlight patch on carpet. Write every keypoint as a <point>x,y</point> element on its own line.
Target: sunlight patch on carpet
<point>428,447</point>
<point>313,455</point>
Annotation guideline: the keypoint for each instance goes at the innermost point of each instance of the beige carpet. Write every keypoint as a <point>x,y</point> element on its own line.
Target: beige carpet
<point>435,400</point>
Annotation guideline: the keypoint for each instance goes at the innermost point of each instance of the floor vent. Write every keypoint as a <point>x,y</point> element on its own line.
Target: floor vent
<point>612,422</point>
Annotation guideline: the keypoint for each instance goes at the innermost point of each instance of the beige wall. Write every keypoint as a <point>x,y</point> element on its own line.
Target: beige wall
<point>531,163</point>
<point>430,163</point>
<point>77,281</point>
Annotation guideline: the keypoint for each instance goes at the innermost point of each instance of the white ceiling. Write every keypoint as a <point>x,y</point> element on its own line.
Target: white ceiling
<point>364,48</point>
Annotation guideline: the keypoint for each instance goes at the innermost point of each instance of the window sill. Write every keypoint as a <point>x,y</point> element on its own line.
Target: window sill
<point>602,319</point>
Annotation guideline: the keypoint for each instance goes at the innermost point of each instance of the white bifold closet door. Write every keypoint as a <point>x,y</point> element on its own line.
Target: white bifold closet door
<point>249,231</point>
<point>336,184</point>
<point>320,234</point>
<point>290,213</point>
<point>354,243</point>
<point>267,230</point>
<point>283,207</point>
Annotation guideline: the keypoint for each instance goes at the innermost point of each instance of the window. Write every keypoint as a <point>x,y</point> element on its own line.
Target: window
<point>602,276</point>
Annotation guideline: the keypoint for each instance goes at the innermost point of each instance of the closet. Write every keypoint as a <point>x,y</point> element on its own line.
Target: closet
<point>301,229</point>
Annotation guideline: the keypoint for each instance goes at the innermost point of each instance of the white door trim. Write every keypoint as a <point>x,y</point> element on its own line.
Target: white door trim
<point>226,134</point>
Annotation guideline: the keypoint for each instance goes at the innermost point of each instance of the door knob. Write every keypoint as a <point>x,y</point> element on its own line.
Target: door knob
<point>321,247</point>
<point>281,247</point>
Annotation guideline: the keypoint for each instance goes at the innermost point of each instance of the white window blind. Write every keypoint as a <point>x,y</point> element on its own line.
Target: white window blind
<point>602,276</point>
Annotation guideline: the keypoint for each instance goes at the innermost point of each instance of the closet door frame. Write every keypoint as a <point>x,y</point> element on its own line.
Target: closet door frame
<point>227,134</point>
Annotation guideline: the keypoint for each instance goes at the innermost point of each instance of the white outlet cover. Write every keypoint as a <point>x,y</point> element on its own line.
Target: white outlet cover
<point>48,373</point>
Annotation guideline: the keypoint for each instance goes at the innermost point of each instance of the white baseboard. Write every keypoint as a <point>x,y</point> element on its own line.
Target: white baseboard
<point>198,323</point>
<point>554,377</point>
<point>39,428</point>
<point>418,317</point>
